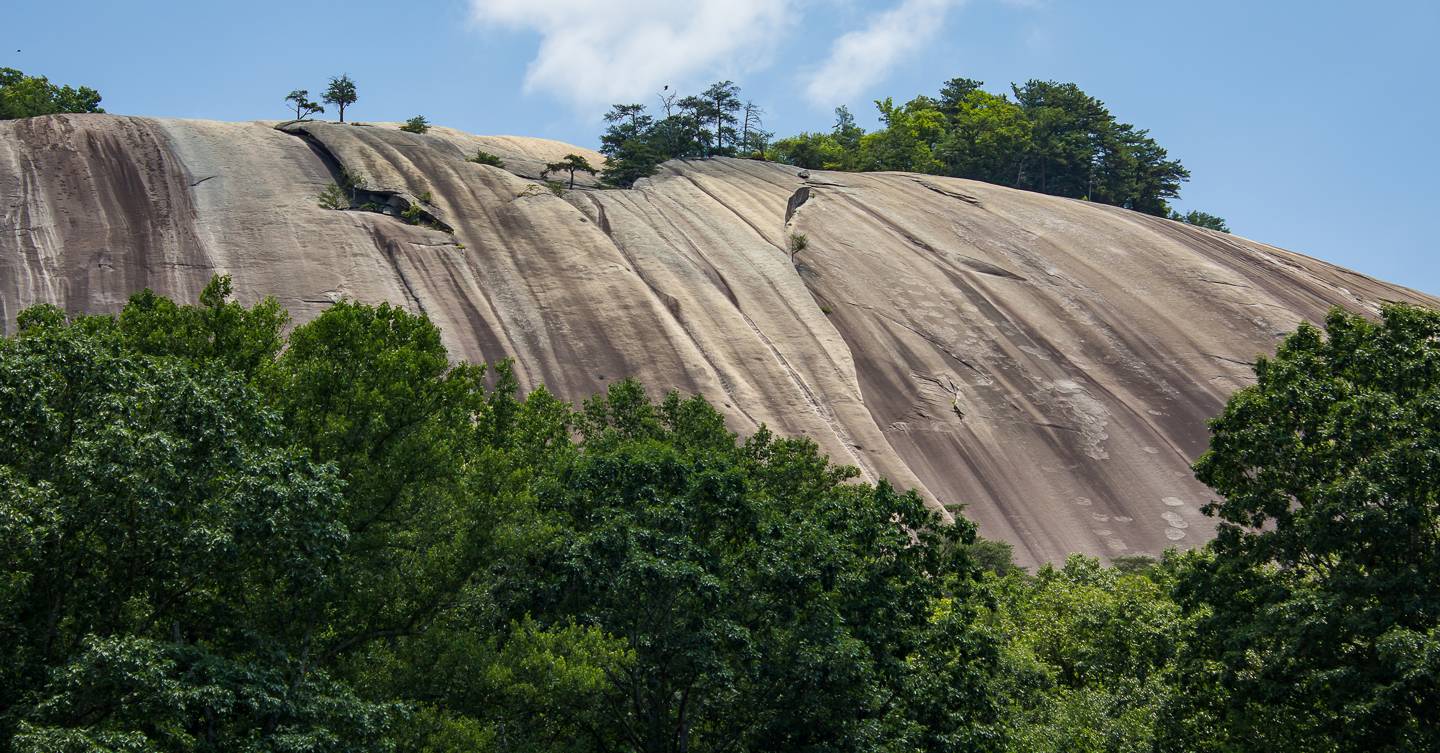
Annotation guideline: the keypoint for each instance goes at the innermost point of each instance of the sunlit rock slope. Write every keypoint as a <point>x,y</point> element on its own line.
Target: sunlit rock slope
<point>1047,363</point>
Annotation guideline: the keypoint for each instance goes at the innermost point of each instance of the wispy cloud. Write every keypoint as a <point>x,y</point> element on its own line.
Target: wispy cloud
<point>862,58</point>
<point>596,52</point>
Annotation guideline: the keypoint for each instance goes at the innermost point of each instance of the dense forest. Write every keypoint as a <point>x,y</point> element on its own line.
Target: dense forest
<point>1052,138</point>
<point>219,537</point>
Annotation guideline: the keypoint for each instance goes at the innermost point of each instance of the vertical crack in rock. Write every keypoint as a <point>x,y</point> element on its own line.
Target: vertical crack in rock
<point>796,201</point>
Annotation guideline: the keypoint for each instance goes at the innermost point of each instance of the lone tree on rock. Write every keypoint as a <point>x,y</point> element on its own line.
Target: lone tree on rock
<point>341,94</point>
<point>798,242</point>
<point>300,100</point>
<point>571,164</point>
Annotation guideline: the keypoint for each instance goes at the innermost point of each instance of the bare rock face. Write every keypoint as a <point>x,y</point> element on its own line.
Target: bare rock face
<point>1049,364</point>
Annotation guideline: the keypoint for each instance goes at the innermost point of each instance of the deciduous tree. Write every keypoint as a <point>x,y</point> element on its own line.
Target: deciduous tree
<point>24,96</point>
<point>1319,611</point>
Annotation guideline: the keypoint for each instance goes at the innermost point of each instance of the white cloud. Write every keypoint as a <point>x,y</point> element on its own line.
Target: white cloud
<point>861,59</point>
<point>598,52</point>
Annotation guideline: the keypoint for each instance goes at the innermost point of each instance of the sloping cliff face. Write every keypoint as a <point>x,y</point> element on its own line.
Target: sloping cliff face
<point>1047,363</point>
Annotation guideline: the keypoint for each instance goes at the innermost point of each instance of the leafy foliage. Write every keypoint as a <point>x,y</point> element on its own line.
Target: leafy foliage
<point>167,550</point>
<point>1089,654</point>
<point>417,124</point>
<point>1051,137</point>
<point>770,604</point>
<point>217,537</point>
<point>23,96</point>
<point>1319,607</point>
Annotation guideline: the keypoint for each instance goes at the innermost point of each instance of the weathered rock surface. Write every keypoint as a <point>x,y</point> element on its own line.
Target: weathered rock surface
<point>1047,363</point>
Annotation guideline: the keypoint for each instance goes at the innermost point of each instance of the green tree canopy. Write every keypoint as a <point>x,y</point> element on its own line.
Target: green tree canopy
<point>167,551</point>
<point>1319,611</point>
<point>1051,137</point>
<point>218,537</point>
<point>812,151</point>
<point>1089,655</point>
<point>987,138</point>
<point>23,96</point>
<point>771,603</point>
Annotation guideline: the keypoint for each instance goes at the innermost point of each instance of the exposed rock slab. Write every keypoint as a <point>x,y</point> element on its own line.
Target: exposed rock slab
<point>1048,363</point>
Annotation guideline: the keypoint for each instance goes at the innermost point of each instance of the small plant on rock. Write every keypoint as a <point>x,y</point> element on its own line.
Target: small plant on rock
<point>483,157</point>
<point>556,187</point>
<point>413,214</point>
<point>426,198</point>
<point>333,197</point>
<point>798,242</point>
<point>352,183</point>
<point>417,124</point>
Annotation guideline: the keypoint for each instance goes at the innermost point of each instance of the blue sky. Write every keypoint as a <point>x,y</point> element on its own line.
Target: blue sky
<point>1308,125</point>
